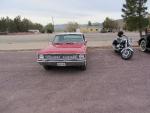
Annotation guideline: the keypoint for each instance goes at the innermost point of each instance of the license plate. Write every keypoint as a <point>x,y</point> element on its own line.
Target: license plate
<point>61,64</point>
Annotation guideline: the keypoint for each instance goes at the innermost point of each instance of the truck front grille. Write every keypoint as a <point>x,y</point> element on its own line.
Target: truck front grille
<point>61,57</point>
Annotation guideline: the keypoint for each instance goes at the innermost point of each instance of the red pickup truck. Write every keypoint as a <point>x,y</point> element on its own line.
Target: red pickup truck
<point>67,49</point>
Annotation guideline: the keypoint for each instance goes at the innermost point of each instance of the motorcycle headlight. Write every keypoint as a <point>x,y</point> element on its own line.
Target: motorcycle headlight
<point>81,56</point>
<point>41,56</point>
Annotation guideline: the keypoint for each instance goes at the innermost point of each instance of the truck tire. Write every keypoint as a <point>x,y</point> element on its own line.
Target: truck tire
<point>46,67</point>
<point>143,45</point>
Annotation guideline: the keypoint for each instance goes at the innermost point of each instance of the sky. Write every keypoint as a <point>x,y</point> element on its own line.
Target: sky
<point>63,11</point>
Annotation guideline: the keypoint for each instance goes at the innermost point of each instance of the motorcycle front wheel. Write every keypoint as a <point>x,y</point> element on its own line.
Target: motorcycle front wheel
<point>126,54</point>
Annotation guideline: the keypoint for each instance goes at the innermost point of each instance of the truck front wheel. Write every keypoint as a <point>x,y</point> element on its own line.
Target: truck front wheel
<point>143,46</point>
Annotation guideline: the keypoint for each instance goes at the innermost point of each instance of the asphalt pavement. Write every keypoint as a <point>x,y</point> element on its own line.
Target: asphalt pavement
<point>109,85</point>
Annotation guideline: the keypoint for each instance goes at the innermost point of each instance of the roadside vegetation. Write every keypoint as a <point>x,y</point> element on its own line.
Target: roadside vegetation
<point>8,25</point>
<point>109,25</point>
<point>72,26</point>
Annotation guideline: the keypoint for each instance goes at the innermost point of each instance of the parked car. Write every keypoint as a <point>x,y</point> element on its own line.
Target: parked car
<point>144,43</point>
<point>67,49</point>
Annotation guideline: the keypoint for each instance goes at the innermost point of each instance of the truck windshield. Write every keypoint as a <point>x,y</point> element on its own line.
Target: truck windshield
<point>68,39</point>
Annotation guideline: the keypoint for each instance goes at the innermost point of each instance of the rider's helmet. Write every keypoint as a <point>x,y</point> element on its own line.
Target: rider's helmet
<point>120,33</point>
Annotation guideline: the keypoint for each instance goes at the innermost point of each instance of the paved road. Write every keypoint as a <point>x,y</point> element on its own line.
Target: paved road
<point>49,37</point>
<point>110,85</point>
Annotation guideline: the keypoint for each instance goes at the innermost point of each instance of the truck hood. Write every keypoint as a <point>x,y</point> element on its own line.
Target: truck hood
<point>64,49</point>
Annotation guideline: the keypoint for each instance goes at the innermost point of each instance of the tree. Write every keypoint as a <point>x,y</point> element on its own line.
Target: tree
<point>9,24</point>
<point>89,23</point>
<point>26,25</point>
<point>18,24</point>
<point>3,25</point>
<point>135,12</point>
<point>72,26</point>
<point>49,28</point>
<point>110,24</point>
<point>39,27</point>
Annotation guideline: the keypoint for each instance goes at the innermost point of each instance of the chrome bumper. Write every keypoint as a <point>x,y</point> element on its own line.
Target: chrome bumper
<point>67,63</point>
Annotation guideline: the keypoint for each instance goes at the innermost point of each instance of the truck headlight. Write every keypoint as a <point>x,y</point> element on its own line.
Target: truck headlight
<point>41,56</point>
<point>81,56</point>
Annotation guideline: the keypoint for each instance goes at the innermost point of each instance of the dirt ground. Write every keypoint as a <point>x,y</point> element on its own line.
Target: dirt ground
<point>109,85</point>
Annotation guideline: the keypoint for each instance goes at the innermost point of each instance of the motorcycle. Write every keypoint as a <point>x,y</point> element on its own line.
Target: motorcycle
<point>123,47</point>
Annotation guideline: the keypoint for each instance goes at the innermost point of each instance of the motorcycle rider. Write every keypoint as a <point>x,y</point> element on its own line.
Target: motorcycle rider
<point>119,38</point>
